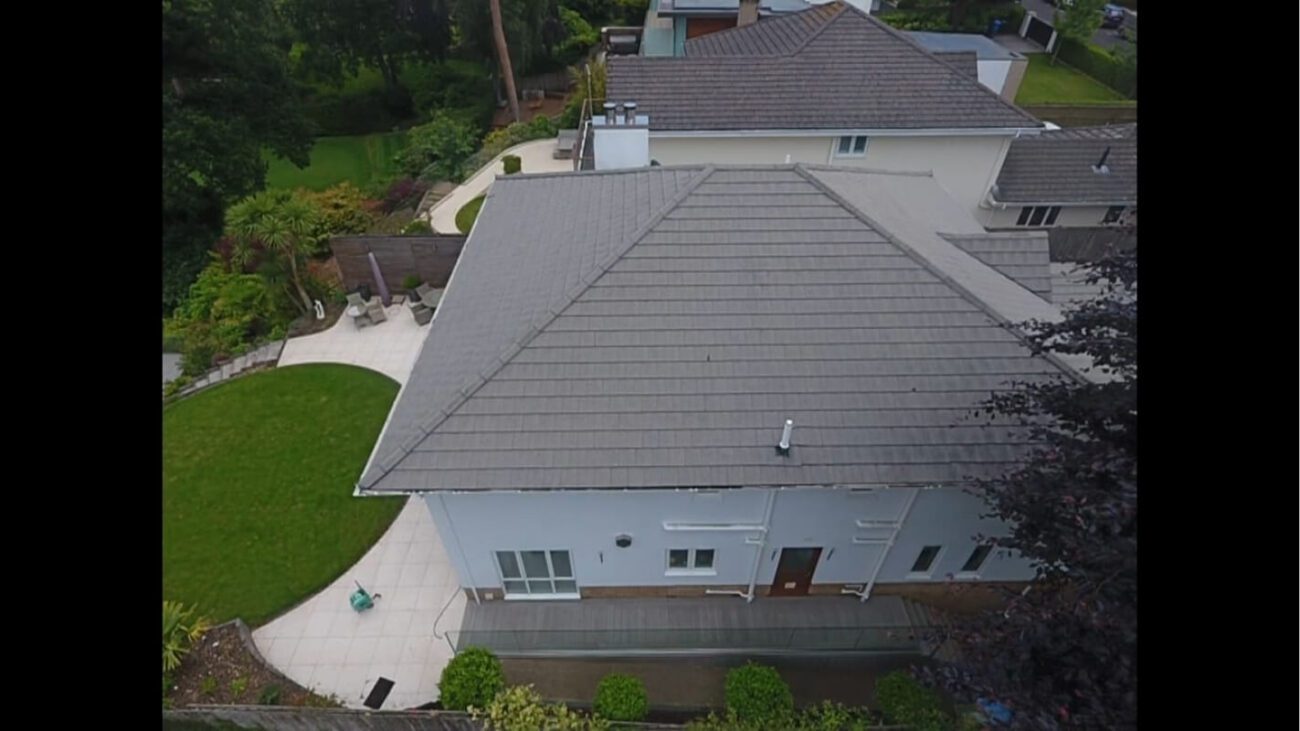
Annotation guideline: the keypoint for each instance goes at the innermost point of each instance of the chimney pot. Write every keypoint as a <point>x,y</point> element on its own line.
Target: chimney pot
<point>610,113</point>
<point>630,112</point>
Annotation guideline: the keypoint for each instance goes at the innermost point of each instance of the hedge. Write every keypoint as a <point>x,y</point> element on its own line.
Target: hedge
<point>1100,65</point>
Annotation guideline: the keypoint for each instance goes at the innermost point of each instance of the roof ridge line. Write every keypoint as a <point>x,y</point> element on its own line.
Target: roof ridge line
<point>943,276</point>
<point>427,426</point>
<point>844,8</point>
<point>590,173</point>
<point>951,67</point>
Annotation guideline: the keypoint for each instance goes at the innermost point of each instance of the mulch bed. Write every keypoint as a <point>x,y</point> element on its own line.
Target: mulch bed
<point>308,324</point>
<point>221,656</point>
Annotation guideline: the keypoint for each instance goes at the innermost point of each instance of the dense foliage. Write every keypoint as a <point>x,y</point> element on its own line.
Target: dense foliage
<point>825,716</point>
<point>343,209</point>
<point>223,313</point>
<point>532,29</point>
<point>1116,68</point>
<point>226,96</point>
<point>621,698</point>
<point>962,16</point>
<point>472,679</point>
<point>439,149</point>
<point>1063,655</point>
<point>521,708</point>
<point>499,140</point>
<point>902,700</point>
<point>757,693</point>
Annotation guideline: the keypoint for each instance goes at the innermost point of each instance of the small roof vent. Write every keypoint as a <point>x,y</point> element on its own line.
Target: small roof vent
<point>1100,167</point>
<point>783,447</point>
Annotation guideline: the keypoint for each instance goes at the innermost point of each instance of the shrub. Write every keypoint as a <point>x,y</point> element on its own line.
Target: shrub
<point>238,686</point>
<point>270,696</point>
<point>472,678</point>
<point>209,685</point>
<point>403,192</point>
<point>1101,65</point>
<point>831,716</point>
<point>358,112</point>
<point>468,214</point>
<point>439,149</point>
<point>181,629</point>
<point>579,37</point>
<point>500,140</point>
<point>452,85</point>
<point>582,81</point>
<point>512,164</point>
<point>520,708</point>
<point>342,209</point>
<point>757,693</point>
<point>411,281</point>
<point>621,698</point>
<point>904,701</point>
<point>223,312</point>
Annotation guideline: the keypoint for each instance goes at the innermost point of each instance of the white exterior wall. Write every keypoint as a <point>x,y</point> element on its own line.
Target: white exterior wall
<point>993,74</point>
<point>1070,216</point>
<point>587,522</point>
<point>965,166</point>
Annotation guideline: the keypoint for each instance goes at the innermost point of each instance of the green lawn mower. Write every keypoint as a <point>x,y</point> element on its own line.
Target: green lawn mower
<point>362,599</point>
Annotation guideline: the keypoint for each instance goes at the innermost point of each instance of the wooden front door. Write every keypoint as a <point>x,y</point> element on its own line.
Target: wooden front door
<point>795,571</point>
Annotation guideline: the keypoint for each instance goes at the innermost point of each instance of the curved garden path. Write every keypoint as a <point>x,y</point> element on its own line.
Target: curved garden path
<point>322,643</point>
<point>535,157</point>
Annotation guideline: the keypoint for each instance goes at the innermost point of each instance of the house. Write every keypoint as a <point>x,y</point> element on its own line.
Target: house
<point>736,381</point>
<point>998,67</point>
<point>828,85</point>
<point>1074,177</point>
<point>670,23</point>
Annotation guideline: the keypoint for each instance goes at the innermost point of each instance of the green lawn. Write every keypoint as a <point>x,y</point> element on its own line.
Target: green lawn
<point>258,512</point>
<point>1060,84</point>
<point>468,213</point>
<point>358,159</point>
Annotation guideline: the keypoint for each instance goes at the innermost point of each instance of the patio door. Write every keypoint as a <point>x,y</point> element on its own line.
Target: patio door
<point>795,571</point>
<point>537,574</point>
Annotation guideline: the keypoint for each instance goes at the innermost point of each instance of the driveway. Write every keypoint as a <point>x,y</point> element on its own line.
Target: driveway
<point>535,157</point>
<point>1103,37</point>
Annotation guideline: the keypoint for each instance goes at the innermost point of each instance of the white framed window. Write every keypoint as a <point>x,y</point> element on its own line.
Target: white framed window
<point>975,561</point>
<point>1038,215</point>
<point>851,146</point>
<point>691,562</point>
<point>923,566</point>
<point>537,574</point>
<point>1113,214</point>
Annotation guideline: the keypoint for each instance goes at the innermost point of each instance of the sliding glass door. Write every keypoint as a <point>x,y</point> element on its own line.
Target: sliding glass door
<point>537,574</point>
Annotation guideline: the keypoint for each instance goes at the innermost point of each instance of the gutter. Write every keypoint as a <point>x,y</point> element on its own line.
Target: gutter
<point>844,132</point>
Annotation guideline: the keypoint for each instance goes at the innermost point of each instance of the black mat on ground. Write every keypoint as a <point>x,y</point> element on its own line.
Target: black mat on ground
<point>379,693</point>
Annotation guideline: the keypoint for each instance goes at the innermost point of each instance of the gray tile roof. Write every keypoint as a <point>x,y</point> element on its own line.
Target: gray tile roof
<point>1022,255</point>
<point>830,67</point>
<point>1057,167</point>
<point>654,328</point>
<point>964,61</point>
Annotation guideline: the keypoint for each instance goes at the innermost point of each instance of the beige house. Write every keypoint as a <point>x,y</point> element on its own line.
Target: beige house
<point>829,85</point>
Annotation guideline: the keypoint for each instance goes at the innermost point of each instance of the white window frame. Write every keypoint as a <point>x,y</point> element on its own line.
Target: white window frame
<point>690,570</point>
<point>928,573</point>
<point>551,575</point>
<point>1042,223</point>
<point>976,573</point>
<point>853,142</point>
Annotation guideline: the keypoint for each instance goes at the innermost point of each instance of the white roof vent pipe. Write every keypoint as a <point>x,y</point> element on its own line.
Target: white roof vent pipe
<point>629,112</point>
<point>783,447</point>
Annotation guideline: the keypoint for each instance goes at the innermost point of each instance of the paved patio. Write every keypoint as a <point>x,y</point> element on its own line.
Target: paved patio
<point>535,157</point>
<point>324,645</point>
<point>389,347</point>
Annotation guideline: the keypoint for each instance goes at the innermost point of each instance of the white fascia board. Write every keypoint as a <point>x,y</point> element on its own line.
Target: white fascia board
<point>895,132</point>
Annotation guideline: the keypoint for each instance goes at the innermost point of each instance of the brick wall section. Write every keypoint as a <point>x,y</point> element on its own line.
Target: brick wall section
<point>429,257</point>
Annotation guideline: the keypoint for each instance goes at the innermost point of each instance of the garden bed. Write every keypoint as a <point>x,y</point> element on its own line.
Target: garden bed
<point>222,669</point>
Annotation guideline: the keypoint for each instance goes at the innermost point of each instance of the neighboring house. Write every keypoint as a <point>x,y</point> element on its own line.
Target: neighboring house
<point>748,381</point>
<point>829,85</point>
<point>670,23</point>
<point>1076,177</point>
<point>998,67</point>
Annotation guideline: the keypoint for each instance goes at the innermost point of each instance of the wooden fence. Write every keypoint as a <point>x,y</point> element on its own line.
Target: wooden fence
<point>429,257</point>
<point>1084,115</point>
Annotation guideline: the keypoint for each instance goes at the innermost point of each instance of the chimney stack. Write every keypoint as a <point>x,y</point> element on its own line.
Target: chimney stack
<point>629,112</point>
<point>748,13</point>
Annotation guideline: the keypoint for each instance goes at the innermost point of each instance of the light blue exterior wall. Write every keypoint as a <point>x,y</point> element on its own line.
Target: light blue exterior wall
<point>474,525</point>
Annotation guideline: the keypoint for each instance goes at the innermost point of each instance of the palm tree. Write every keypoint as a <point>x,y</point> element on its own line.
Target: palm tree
<point>285,225</point>
<point>503,58</point>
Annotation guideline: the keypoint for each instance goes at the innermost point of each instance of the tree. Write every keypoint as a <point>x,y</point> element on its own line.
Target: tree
<point>1077,22</point>
<point>226,95</point>
<point>503,59</point>
<point>341,36</point>
<point>523,22</point>
<point>285,225</point>
<point>1063,654</point>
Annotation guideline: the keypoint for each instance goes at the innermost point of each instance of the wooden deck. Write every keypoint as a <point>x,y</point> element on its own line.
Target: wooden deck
<point>708,624</point>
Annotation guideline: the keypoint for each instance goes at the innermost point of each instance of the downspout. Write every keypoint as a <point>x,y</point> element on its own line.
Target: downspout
<point>759,544</point>
<point>865,594</point>
<point>459,548</point>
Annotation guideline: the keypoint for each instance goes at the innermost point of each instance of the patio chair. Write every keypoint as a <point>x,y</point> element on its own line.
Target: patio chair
<point>354,300</point>
<point>421,314</point>
<point>375,311</point>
